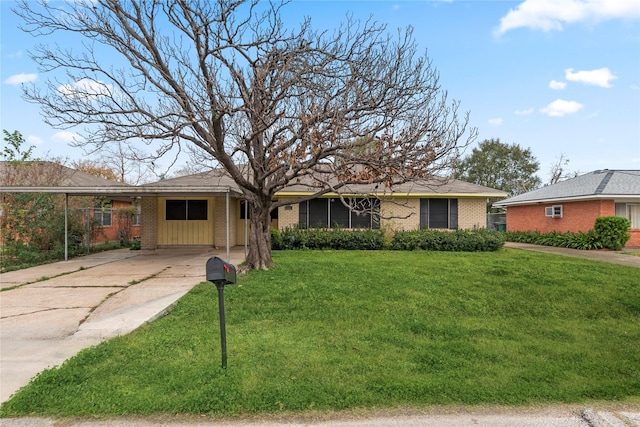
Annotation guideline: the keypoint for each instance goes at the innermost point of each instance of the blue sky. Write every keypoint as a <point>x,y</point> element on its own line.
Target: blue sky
<point>561,77</point>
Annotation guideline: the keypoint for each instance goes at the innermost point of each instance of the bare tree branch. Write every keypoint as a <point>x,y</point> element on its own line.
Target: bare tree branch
<point>354,106</point>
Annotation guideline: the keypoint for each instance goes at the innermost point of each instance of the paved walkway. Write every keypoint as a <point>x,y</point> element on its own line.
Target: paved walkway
<point>50,312</point>
<point>598,255</point>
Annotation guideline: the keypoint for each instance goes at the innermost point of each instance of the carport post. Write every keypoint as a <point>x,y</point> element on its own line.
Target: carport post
<point>66,226</point>
<point>246,225</point>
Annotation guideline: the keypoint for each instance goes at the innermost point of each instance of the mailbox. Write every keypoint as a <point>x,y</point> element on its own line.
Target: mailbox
<point>220,272</point>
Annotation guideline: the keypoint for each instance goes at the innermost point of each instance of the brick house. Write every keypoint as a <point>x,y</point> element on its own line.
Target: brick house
<point>573,205</point>
<point>186,213</point>
<point>207,209</point>
<point>96,199</point>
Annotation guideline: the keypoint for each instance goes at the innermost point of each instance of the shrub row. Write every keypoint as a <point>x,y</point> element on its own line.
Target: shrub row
<point>458,240</point>
<point>610,232</point>
<point>323,238</point>
<point>435,240</point>
<point>580,240</point>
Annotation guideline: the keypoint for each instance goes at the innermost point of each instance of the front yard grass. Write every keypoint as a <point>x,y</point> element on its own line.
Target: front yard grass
<point>331,330</point>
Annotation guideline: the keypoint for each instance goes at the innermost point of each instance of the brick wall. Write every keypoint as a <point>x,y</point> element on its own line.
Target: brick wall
<point>400,214</point>
<point>112,232</point>
<point>404,214</point>
<point>472,213</point>
<point>149,223</point>
<point>576,216</point>
<point>288,218</point>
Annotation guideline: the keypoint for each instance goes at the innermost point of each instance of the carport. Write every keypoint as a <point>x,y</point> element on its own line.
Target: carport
<point>70,182</point>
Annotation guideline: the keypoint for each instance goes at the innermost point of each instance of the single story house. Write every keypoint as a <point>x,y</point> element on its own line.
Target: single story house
<point>573,205</point>
<point>207,209</point>
<point>184,214</point>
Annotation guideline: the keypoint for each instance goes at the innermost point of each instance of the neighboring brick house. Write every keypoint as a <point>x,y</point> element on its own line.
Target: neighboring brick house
<point>97,199</point>
<point>573,205</point>
<point>116,219</point>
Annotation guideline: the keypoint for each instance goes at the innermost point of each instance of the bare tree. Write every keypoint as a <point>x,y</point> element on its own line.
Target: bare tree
<point>226,76</point>
<point>558,170</point>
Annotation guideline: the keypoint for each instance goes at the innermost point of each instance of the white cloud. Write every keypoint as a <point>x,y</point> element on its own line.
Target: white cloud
<point>550,15</point>
<point>32,139</point>
<point>601,77</point>
<point>86,88</point>
<point>66,137</point>
<point>526,112</point>
<point>556,85</point>
<point>18,79</point>
<point>495,122</point>
<point>560,107</point>
<point>17,54</point>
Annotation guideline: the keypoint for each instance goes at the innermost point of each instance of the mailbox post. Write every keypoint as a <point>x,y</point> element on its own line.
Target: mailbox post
<point>221,273</point>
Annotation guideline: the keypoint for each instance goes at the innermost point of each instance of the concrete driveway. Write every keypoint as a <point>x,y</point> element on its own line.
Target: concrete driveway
<point>51,312</point>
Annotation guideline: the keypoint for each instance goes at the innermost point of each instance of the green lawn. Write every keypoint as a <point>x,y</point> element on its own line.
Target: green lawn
<point>336,330</point>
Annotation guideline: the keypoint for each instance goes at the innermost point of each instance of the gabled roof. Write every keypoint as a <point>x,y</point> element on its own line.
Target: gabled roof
<point>600,184</point>
<point>204,183</point>
<point>422,188</point>
<point>433,187</point>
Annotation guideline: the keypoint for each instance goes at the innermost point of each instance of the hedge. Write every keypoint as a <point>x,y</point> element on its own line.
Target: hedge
<point>609,232</point>
<point>365,239</point>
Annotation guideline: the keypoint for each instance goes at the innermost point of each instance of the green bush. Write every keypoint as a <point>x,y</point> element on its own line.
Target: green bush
<point>612,231</point>
<point>327,238</point>
<point>440,240</point>
<point>366,239</point>
<point>580,240</point>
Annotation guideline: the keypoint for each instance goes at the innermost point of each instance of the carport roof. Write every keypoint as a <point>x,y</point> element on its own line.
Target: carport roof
<point>50,177</point>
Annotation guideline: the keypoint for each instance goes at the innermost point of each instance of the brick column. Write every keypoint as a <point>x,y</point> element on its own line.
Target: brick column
<point>149,223</point>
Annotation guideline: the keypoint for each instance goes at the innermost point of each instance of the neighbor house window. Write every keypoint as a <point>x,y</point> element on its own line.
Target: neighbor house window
<point>439,213</point>
<point>136,218</point>
<point>102,213</point>
<point>102,216</point>
<point>321,213</point>
<point>631,211</point>
<point>187,210</point>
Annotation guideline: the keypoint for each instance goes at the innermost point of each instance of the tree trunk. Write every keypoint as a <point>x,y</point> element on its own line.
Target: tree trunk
<point>259,256</point>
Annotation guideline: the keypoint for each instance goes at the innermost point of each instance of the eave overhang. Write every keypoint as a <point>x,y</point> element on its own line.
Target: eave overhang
<point>506,203</point>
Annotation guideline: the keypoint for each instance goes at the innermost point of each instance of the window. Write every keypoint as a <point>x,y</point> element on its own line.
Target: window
<point>189,210</point>
<point>102,216</point>
<point>245,212</point>
<point>247,215</point>
<point>135,219</point>
<point>439,213</point>
<point>631,211</point>
<point>554,211</point>
<point>322,213</point>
